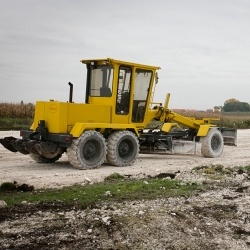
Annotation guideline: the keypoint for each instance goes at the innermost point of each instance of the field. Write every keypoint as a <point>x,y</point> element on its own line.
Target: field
<point>16,116</point>
<point>19,116</point>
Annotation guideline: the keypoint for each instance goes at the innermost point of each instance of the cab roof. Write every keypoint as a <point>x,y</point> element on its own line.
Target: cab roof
<point>105,61</point>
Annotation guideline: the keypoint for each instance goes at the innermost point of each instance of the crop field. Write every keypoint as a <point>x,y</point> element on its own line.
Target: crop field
<point>13,110</point>
<point>240,120</point>
<point>19,115</point>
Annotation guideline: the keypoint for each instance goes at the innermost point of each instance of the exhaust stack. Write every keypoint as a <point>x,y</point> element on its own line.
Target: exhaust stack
<point>70,92</point>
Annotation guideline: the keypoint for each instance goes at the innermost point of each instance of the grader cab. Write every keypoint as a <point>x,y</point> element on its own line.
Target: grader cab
<point>111,124</point>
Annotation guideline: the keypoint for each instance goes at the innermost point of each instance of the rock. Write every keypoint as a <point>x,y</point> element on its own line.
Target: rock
<point>3,203</point>
<point>25,188</point>
<point>107,193</point>
<point>24,202</point>
<point>87,179</point>
<point>166,175</point>
<point>141,212</point>
<point>90,230</point>
<point>145,182</point>
<point>106,220</point>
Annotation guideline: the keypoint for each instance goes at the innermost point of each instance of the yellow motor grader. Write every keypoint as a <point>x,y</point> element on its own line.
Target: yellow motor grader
<point>111,124</point>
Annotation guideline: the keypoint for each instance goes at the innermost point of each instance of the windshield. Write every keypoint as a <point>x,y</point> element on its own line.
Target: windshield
<point>141,89</point>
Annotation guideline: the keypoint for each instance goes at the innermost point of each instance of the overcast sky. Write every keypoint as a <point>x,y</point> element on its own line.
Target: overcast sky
<point>202,47</point>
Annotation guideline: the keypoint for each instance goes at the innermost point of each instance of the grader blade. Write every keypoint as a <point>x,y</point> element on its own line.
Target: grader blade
<point>229,136</point>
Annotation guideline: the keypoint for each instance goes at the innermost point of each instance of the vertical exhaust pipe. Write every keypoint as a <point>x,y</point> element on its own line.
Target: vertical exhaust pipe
<point>70,92</point>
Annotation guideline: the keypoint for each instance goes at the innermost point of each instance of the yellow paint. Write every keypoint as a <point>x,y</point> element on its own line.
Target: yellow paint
<point>167,126</point>
<point>99,113</point>
<point>55,115</point>
<point>80,127</point>
<point>203,130</point>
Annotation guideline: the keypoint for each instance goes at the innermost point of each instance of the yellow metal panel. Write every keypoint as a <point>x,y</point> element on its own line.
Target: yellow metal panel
<point>113,61</point>
<point>88,113</point>
<point>122,119</point>
<point>39,114</point>
<point>203,130</point>
<point>103,101</point>
<point>167,126</point>
<point>80,127</point>
<point>55,116</point>
<point>32,127</point>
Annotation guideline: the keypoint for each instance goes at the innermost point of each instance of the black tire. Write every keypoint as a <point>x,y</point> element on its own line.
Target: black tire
<point>42,159</point>
<point>212,144</point>
<point>123,148</point>
<point>88,151</point>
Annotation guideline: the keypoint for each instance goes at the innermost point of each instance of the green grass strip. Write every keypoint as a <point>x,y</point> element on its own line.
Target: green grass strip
<point>114,190</point>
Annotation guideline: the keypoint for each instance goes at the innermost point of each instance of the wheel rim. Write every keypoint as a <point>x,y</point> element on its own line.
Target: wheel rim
<point>91,150</point>
<point>215,143</point>
<point>125,149</point>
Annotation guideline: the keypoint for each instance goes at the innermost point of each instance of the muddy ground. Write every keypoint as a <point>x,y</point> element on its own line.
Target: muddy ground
<point>218,218</point>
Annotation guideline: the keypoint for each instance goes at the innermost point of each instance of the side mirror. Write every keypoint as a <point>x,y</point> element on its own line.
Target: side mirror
<point>156,77</point>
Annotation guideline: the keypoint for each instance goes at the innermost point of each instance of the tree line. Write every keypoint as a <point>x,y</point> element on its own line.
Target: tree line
<point>233,105</point>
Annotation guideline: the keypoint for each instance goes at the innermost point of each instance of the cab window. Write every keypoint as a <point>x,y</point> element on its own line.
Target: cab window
<point>101,81</point>
<point>123,90</point>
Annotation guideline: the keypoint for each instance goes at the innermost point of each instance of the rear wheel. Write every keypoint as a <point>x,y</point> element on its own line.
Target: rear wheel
<point>212,144</point>
<point>42,159</point>
<point>88,151</point>
<point>123,148</point>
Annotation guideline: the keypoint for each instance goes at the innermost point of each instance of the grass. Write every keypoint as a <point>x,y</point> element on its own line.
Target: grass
<point>119,190</point>
<point>220,170</point>
<point>15,123</point>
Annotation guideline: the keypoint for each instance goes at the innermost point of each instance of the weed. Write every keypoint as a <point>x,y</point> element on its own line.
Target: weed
<point>7,187</point>
<point>114,176</point>
<point>218,168</point>
<point>209,171</point>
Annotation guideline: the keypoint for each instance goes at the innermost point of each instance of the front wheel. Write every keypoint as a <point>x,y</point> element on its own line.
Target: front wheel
<point>212,144</point>
<point>123,148</point>
<point>88,151</point>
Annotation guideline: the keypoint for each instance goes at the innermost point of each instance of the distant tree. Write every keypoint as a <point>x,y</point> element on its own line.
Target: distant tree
<point>217,109</point>
<point>230,101</point>
<point>236,106</point>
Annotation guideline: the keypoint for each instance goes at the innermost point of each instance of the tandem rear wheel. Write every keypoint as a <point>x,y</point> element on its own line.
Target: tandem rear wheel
<point>91,149</point>
<point>88,151</point>
<point>123,148</point>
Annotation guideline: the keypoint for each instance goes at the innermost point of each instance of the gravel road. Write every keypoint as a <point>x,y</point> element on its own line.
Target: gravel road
<point>22,169</point>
